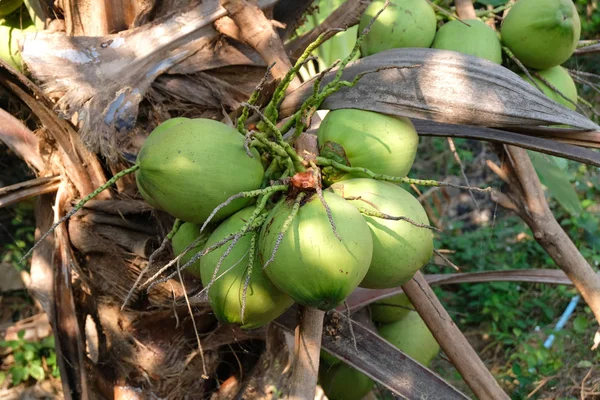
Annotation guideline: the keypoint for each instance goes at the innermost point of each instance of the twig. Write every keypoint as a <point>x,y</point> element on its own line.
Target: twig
<point>451,339</point>
<point>446,260</point>
<point>189,306</point>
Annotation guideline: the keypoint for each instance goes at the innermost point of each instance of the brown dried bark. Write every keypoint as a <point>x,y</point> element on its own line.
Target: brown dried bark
<point>257,31</point>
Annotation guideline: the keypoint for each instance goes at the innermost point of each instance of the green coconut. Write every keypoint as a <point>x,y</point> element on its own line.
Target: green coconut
<point>189,167</point>
<point>328,359</point>
<point>411,336</point>
<point>391,309</point>
<point>186,235</point>
<point>399,248</point>
<point>381,143</point>
<point>9,6</point>
<point>342,382</point>
<point>405,23</point>
<point>9,46</point>
<point>476,39</point>
<point>561,80</point>
<point>312,265</point>
<point>264,302</point>
<point>541,33</point>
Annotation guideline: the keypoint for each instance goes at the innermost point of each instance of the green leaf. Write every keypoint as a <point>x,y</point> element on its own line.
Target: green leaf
<point>28,355</point>
<point>37,372</point>
<point>580,324</point>
<point>557,182</point>
<point>19,374</point>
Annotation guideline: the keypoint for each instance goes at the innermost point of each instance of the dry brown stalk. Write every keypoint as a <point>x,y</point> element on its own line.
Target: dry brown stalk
<point>451,340</point>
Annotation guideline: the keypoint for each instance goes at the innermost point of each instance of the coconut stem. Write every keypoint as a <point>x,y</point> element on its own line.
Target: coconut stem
<point>318,96</point>
<point>241,122</point>
<point>307,350</point>
<point>296,159</point>
<point>286,225</point>
<point>326,162</point>
<point>243,195</point>
<point>251,255</point>
<point>152,280</point>
<point>379,214</point>
<point>79,206</point>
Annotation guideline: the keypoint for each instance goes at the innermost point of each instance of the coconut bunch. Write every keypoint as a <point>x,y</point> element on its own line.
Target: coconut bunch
<point>265,222</point>
<point>536,36</point>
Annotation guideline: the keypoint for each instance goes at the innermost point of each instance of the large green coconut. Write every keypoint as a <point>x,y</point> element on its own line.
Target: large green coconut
<point>264,302</point>
<point>391,309</point>
<point>411,336</point>
<point>342,382</point>
<point>476,39</point>
<point>189,167</point>
<point>541,33</point>
<point>381,143</point>
<point>561,80</point>
<point>186,235</point>
<point>312,265</point>
<point>399,248</point>
<point>405,23</point>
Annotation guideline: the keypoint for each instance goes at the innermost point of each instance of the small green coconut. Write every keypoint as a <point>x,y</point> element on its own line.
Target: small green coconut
<point>411,336</point>
<point>381,143</point>
<point>561,80</point>
<point>342,382</point>
<point>264,302</point>
<point>186,235</point>
<point>391,309</point>
<point>190,166</point>
<point>542,33</point>
<point>405,23</point>
<point>312,265</point>
<point>399,248</point>
<point>476,39</point>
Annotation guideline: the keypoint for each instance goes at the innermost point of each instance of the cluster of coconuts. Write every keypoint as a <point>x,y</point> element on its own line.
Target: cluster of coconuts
<point>542,34</point>
<point>294,249</point>
<point>399,324</point>
<point>12,30</point>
